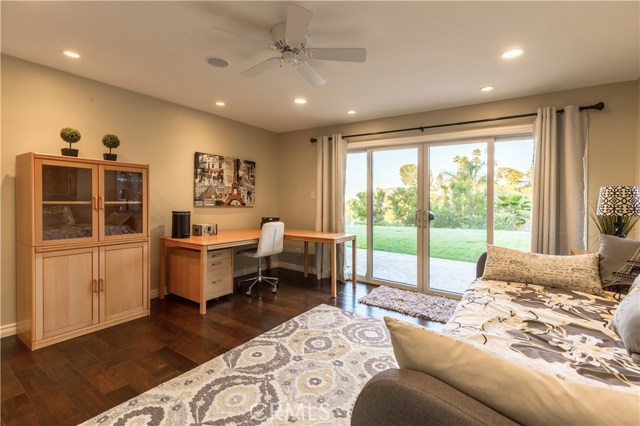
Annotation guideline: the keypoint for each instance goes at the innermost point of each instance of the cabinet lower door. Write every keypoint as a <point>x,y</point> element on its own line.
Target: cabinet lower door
<point>123,280</point>
<point>68,298</point>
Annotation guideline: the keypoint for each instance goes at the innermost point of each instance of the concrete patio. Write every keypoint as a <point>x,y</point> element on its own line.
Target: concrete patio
<point>446,275</point>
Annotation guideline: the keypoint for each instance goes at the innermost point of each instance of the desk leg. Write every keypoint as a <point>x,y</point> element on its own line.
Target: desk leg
<point>163,269</point>
<point>333,269</point>
<point>203,277</point>
<point>353,263</point>
<point>306,259</point>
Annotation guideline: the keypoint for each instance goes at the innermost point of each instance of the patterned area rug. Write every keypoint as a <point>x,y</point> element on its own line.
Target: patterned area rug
<point>426,306</point>
<point>307,371</point>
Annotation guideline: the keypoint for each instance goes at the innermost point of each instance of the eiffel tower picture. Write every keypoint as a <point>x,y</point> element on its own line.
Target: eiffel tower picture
<point>223,181</point>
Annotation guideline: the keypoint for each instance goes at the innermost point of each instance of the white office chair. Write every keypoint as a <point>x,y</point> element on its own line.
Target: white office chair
<point>271,242</point>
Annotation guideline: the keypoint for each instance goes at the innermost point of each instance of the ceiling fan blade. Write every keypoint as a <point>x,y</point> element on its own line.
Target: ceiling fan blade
<point>310,74</point>
<point>346,54</point>
<point>262,67</point>
<point>298,20</point>
<point>217,32</point>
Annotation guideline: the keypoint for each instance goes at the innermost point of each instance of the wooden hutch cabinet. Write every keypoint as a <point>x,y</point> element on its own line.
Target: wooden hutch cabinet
<point>82,246</point>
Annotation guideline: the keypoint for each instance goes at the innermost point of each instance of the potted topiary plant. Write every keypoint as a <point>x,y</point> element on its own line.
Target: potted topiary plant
<point>70,136</point>
<point>110,141</point>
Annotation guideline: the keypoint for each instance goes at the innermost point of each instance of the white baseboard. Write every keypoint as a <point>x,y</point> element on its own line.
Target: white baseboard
<point>295,267</point>
<point>8,330</point>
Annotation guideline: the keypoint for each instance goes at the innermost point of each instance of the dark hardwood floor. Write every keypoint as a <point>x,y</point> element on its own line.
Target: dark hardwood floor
<point>70,382</point>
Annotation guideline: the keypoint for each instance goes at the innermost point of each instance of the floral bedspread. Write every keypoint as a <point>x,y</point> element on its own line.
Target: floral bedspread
<point>560,331</point>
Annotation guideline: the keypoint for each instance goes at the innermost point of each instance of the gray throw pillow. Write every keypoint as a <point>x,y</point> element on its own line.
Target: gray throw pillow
<point>626,321</point>
<point>615,252</point>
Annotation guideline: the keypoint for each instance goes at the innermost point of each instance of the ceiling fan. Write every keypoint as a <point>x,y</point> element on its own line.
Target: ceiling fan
<point>290,39</point>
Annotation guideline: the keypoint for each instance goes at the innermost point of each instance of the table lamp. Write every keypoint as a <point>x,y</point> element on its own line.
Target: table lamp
<point>619,201</point>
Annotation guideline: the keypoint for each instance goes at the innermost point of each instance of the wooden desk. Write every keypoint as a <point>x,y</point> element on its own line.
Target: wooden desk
<point>229,239</point>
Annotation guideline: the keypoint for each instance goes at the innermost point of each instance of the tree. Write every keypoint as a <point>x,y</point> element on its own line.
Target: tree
<point>461,200</point>
<point>379,205</point>
<point>409,174</point>
<point>403,201</point>
<point>358,206</point>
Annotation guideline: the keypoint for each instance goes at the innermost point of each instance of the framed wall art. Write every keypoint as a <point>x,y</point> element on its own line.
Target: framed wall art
<point>223,181</point>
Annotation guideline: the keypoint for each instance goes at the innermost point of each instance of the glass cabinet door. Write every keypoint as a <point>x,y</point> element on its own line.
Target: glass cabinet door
<point>66,207</point>
<point>123,201</point>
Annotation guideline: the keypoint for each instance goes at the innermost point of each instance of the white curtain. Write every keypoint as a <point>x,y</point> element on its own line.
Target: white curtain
<point>330,185</point>
<point>559,203</point>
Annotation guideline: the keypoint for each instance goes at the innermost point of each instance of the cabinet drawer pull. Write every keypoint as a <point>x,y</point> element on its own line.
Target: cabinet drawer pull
<point>101,202</point>
<point>95,202</point>
<point>95,285</point>
<point>101,281</point>
<point>216,264</point>
<point>216,281</point>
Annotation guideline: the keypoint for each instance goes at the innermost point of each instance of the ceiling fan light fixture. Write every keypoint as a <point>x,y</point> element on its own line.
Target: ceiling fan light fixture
<point>217,62</point>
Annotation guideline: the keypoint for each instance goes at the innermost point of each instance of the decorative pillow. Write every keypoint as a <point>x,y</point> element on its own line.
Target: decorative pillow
<point>626,321</point>
<point>579,273</point>
<point>526,395</point>
<point>615,253</point>
<point>54,216</point>
<point>117,218</point>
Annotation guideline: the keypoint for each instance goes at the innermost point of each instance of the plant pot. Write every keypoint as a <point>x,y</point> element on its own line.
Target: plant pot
<point>69,152</point>
<point>110,157</point>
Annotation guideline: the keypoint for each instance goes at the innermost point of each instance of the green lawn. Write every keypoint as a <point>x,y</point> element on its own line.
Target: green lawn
<point>456,244</point>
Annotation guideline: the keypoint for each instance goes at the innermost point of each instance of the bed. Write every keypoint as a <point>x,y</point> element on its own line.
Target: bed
<point>515,352</point>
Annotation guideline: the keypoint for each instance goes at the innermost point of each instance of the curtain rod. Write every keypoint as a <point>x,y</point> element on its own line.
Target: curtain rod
<point>599,107</point>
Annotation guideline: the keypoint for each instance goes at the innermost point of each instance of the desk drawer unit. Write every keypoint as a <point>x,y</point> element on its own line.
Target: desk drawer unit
<point>185,276</point>
<point>219,276</point>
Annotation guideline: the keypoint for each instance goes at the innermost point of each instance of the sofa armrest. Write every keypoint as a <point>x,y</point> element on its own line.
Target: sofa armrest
<point>399,397</point>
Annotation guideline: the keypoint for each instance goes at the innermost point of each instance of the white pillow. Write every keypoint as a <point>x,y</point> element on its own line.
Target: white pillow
<point>526,395</point>
<point>581,272</point>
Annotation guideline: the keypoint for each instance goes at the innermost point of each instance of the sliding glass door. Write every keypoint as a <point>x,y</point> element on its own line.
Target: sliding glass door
<point>394,235</point>
<point>458,201</point>
<point>424,213</point>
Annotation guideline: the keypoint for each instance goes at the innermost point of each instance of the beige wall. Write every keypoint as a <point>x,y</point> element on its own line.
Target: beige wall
<point>38,101</point>
<point>613,141</point>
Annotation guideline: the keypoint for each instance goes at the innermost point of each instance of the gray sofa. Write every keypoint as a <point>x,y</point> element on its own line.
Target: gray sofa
<point>398,397</point>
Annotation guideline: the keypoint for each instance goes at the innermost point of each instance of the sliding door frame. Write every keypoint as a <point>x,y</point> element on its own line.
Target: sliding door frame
<point>423,143</point>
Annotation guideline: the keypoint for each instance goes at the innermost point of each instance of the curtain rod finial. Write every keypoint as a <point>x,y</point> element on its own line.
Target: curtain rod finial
<point>313,140</point>
<point>599,106</point>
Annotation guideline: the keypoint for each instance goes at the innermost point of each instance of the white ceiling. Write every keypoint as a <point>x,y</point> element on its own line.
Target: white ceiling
<point>421,55</point>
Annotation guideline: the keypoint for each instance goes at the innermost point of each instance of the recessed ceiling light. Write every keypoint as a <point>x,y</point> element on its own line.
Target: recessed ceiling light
<point>513,53</point>
<point>351,112</point>
<point>300,101</point>
<point>220,103</point>
<point>71,54</point>
<point>487,88</point>
<point>217,62</point>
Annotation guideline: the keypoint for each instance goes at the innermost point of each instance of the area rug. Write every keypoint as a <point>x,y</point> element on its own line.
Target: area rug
<point>307,371</point>
<point>426,306</point>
